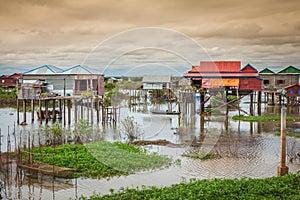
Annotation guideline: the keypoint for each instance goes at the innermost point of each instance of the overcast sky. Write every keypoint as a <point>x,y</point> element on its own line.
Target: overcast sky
<point>112,35</point>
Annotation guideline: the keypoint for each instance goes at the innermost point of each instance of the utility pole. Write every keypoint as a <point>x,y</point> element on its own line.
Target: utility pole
<point>282,169</point>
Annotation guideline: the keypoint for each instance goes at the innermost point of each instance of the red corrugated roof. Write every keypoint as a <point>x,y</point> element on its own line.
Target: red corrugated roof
<point>220,66</point>
<point>221,74</point>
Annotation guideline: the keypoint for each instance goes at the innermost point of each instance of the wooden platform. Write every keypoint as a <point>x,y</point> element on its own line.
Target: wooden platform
<point>49,169</point>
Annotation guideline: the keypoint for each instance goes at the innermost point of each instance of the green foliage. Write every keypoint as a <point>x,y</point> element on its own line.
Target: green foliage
<point>44,95</point>
<point>130,85</point>
<point>109,86</point>
<point>8,97</point>
<point>200,155</point>
<point>84,127</point>
<point>284,187</point>
<point>263,118</point>
<point>130,129</point>
<point>112,94</point>
<point>56,129</point>
<point>288,133</point>
<point>100,159</point>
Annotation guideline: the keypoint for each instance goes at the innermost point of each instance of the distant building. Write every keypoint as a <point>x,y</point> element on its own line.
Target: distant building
<point>112,80</point>
<point>293,90</point>
<point>283,78</point>
<point>10,81</point>
<point>218,74</point>
<point>156,82</point>
<point>72,81</point>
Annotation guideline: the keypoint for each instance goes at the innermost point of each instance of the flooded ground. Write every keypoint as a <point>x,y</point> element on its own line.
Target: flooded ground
<point>245,149</point>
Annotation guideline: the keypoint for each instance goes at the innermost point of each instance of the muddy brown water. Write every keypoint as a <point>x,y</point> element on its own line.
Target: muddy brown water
<point>245,149</point>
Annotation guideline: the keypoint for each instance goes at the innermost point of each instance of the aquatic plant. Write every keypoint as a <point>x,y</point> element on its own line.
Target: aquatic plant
<point>130,129</point>
<point>200,155</point>
<point>100,159</point>
<point>263,118</point>
<point>284,187</point>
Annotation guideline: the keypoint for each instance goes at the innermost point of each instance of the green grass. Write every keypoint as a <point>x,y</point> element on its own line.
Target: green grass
<point>200,155</point>
<point>288,133</point>
<point>285,187</point>
<point>101,159</point>
<point>263,118</point>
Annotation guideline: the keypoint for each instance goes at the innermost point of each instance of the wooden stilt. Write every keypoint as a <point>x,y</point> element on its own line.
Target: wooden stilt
<point>251,104</point>
<point>18,112</point>
<point>81,111</point>
<point>75,111</point>
<point>97,109</point>
<point>69,112</point>
<point>32,110</point>
<point>259,102</point>
<point>202,95</point>
<point>60,109</point>
<point>64,111</point>
<point>40,111</point>
<point>46,111</point>
<point>24,110</point>
<point>54,110</point>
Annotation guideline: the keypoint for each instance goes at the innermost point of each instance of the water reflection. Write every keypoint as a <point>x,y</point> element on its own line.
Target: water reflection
<point>245,149</point>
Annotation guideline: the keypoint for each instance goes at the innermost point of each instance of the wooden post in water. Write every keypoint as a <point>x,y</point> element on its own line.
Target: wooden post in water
<point>54,110</point>
<point>60,109</point>
<point>32,110</point>
<point>75,111</point>
<point>282,169</point>
<point>273,98</point>
<point>201,102</point>
<point>40,111</point>
<point>251,104</point>
<point>81,110</point>
<point>69,112</point>
<point>103,112</point>
<point>18,111</point>
<point>259,102</point>
<point>97,109</point>
<point>24,110</point>
<point>46,111</point>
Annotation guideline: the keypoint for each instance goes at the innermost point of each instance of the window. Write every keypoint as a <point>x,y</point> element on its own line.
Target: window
<point>266,82</point>
<point>280,81</point>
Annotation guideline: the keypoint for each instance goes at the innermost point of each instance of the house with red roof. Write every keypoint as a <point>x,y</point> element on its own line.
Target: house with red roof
<point>10,81</point>
<point>218,74</point>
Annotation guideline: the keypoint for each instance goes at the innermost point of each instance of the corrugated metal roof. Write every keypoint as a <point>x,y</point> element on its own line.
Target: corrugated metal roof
<point>220,66</point>
<point>156,79</point>
<point>45,69</point>
<point>249,68</point>
<point>78,69</point>
<point>289,70</point>
<point>275,69</point>
<point>221,75</point>
<point>266,71</point>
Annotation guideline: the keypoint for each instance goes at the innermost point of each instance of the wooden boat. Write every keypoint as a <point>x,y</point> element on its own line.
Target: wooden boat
<point>164,112</point>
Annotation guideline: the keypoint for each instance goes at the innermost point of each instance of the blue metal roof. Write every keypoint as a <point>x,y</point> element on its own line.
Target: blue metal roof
<point>44,68</point>
<point>76,69</point>
<point>249,66</point>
